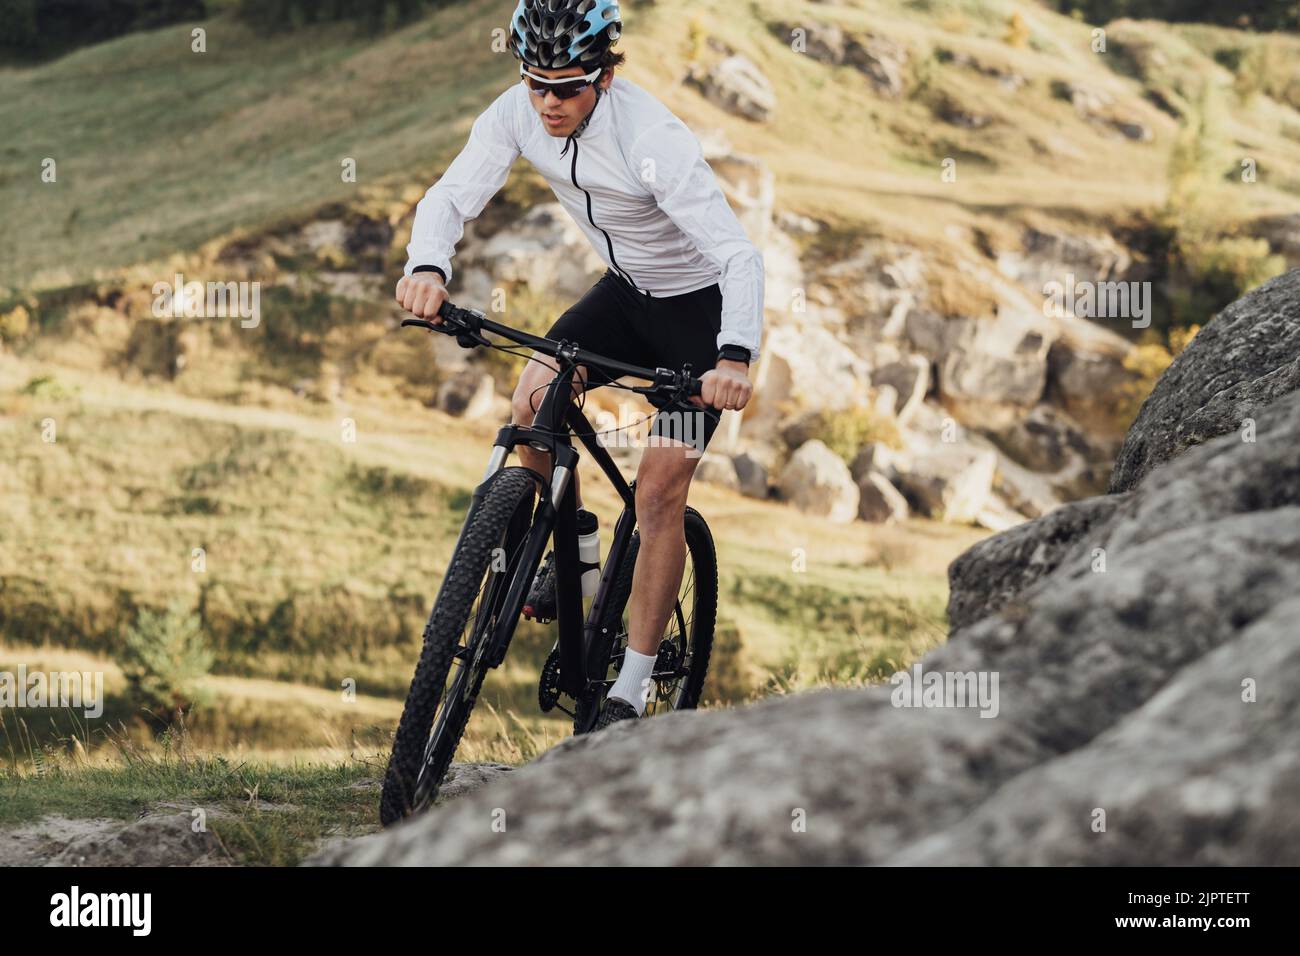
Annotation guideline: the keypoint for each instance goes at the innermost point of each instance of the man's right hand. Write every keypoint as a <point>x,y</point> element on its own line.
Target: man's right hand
<point>422,294</point>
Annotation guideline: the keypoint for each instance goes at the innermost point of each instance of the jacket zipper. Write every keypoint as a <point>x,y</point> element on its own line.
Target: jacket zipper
<point>573,175</point>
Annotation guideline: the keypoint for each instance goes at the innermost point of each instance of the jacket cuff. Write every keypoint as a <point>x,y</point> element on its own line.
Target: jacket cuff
<point>430,269</point>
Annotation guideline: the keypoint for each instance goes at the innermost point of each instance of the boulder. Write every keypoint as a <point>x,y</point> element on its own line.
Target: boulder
<point>994,572</point>
<point>910,378</point>
<point>882,61</point>
<point>737,85</point>
<point>994,370</point>
<point>1244,359</point>
<point>1046,439</point>
<point>817,482</point>
<point>469,393</point>
<point>823,42</point>
<point>880,502</point>
<point>717,469</point>
<point>751,474</point>
<point>879,457</point>
<point>950,482</point>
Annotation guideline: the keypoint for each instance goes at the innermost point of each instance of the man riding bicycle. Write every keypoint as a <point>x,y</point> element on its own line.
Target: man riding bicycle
<point>683,284</point>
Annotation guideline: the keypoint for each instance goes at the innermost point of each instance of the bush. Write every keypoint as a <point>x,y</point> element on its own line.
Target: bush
<point>1254,14</point>
<point>164,659</point>
<point>38,28</point>
<point>15,324</point>
<point>846,432</point>
<point>372,15</point>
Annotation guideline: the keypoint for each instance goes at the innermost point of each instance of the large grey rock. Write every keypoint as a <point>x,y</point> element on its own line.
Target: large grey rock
<point>1244,358</point>
<point>1109,695</point>
<point>992,573</point>
<point>1214,787</point>
<point>751,473</point>
<point>880,502</point>
<point>737,85</point>
<point>950,482</point>
<point>816,481</point>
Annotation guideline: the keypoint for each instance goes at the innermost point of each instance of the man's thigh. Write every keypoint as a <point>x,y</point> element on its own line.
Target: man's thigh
<point>665,472</point>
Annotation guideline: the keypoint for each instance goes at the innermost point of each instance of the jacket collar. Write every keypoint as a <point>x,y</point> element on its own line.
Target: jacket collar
<point>597,122</point>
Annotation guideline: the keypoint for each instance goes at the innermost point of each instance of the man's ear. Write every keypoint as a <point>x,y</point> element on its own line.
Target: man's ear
<point>606,78</point>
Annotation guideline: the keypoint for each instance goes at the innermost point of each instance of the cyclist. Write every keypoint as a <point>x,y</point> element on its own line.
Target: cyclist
<point>683,283</point>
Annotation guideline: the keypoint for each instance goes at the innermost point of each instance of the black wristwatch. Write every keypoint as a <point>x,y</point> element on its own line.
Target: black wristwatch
<point>734,353</point>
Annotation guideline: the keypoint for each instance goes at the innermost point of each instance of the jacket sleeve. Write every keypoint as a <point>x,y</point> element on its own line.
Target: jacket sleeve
<point>473,178</point>
<point>670,160</point>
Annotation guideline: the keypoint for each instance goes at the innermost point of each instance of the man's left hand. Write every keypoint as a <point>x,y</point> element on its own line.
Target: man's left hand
<point>726,386</point>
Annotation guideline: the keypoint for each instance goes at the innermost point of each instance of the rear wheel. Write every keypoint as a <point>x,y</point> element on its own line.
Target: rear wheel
<point>453,659</point>
<point>678,678</point>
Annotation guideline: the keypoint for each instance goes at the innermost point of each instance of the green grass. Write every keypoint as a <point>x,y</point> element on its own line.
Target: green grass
<point>309,801</point>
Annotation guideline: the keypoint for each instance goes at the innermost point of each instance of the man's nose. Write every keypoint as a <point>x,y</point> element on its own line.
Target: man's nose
<point>550,100</point>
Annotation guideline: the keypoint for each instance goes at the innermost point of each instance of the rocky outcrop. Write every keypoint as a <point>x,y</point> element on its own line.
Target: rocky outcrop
<point>1139,668</point>
<point>881,60</point>
<point>737,85</point>
<point>1245,358</point>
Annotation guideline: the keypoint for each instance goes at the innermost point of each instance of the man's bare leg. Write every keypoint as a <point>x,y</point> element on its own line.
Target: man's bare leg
<point>663,481</point>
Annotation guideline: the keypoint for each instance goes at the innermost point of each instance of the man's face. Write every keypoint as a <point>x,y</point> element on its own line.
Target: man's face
<point>561,117</point>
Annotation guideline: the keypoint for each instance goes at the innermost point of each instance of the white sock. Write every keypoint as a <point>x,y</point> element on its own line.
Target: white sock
<point>632,682</point>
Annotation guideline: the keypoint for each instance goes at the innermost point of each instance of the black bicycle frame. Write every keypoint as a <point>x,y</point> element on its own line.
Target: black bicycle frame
<point>557,419</point>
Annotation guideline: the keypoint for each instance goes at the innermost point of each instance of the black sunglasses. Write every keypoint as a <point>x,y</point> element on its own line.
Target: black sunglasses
<point>565,89</point>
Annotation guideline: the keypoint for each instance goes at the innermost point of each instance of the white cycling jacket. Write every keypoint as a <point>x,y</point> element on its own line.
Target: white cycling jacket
<point>634,179</point>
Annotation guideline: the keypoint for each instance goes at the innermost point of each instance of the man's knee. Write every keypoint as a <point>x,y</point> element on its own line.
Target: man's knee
<point>529,391</point>
<point>662,485</point>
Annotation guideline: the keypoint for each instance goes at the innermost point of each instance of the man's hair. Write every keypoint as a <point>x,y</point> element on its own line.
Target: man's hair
<point>611,59</point>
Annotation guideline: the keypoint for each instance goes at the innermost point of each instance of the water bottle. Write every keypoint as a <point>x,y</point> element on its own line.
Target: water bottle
<point>589,551</point>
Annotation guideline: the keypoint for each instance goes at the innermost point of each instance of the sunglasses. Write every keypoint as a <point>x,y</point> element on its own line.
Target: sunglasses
<point>565,88</point>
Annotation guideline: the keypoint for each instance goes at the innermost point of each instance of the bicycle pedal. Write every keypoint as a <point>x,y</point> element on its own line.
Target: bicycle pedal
<point>528,613</point>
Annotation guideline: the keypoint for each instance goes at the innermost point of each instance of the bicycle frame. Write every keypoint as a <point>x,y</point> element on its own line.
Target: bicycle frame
<point>557,419</point>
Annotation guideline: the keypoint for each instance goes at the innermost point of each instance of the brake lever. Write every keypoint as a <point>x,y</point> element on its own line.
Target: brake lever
<point>456,322</point>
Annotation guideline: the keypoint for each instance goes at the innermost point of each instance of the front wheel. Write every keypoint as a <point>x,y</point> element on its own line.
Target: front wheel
<point>678,677</point>
<point>453,661</point>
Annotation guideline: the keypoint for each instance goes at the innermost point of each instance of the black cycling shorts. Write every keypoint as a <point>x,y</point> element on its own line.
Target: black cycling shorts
<point>615,320</point>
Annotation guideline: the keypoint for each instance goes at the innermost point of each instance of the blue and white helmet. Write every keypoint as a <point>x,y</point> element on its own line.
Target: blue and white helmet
<point>553,34</point>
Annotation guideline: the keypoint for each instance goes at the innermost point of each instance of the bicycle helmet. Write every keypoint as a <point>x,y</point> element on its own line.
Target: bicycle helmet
<point>553,34</point>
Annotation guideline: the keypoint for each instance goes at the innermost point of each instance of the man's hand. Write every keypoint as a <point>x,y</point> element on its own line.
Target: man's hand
<point>422,294</point>
<point>726,386</point>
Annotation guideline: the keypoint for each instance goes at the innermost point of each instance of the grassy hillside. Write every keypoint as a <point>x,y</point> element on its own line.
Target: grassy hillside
<point>322,557</point>
<point>160,149</point>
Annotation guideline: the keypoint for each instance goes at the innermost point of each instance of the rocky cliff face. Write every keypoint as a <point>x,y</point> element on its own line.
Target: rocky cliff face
<point>1147,672</point>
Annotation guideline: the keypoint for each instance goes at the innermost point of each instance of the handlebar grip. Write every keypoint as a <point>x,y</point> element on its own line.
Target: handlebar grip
<point>695,387</point>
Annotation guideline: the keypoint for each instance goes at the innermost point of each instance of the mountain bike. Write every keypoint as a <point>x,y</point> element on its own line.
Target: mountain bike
<point>512,514</point>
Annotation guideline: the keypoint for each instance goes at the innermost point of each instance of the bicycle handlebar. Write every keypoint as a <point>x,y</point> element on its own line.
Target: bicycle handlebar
<point>468,326</point>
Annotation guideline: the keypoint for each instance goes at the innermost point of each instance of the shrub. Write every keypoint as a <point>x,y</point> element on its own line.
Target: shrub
<point>38,28</point>
<point>164,659</point>
<point>1017,34</point>
<point>14,324</point>
<point>846,432</point>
